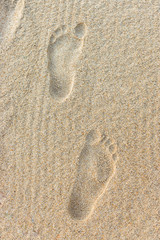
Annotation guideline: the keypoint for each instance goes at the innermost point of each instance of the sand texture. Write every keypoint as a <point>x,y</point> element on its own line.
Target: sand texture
<point>79,119</point>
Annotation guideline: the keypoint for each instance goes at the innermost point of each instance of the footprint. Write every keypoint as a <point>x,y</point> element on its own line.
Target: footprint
<point>96,167</point>
<point>63,52</point>
<point>10,14</point>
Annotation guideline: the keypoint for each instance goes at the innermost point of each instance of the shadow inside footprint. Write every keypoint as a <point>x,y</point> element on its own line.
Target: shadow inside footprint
<point>96,167</point>
<point>63,51</point>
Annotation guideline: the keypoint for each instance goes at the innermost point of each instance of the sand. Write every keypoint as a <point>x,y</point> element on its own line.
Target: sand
<point>79,120</point>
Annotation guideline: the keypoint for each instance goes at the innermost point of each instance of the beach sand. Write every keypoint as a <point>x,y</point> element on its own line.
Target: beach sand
<point>79,120</point>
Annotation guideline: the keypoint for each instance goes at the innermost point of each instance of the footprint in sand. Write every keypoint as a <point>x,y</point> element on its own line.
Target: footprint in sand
<point>96,167</point>
<point>11,12</point>
<point>63,51</point>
